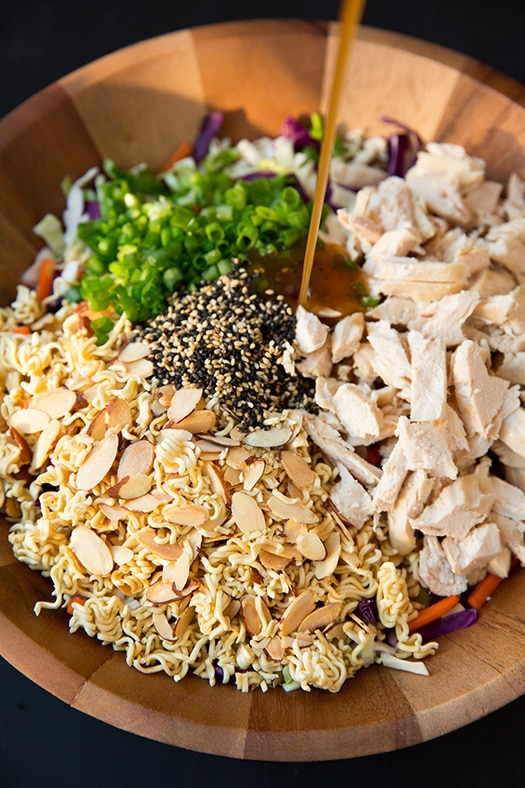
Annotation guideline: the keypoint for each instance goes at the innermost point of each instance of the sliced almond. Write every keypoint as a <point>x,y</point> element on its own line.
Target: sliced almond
<point>56,403</point>
<point>190,514</point>
<point>181,571</point>
<point>250,616</point>
<point>291,510</point>
<point>297,469</point>
<point>97,427</point>
<point>167,551</point>
<point>252,474</point>
<point>293,530</point>
<point>327,567</point>
<point>134,487</point>
<point>161,399</point>
<point>134,351</point>
<point>118,414</point>
<point>321,617</point>
<point>92,552</point>
<point>136,459</point>
<point>25,451</point>
<point>163,626</point>
<point>217,482</point>
<point>97,463</point>
<point>275,648</point>
<point>121,555</point>
<point>161,593</point>
<point>45,444</point>
<point>197,422</point>
<point>274,560</point>
<point>142,368</point>
<point>311,546</point>
<point>231,609</point>
<point>269,438</point>
<point>232,476</point>
<point>27,421</point>
<point>184,621</point>
<point>144,503</point>
<point>237,457</point>
<point>246,512</point>
<point>191,586</point>
<point>113,513</point>
<point>221,440</point>
<point>296,611</point>
<point>183,402</point>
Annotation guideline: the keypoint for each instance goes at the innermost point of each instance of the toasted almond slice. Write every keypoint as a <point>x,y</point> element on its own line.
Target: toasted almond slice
<point>327,567</point>
<point>190,514</point>
<point>160,593</point>
<point>295,511</point>
<point>232,475</point>
<point>113,513</point>
<point>183,402</point>
<point>144,503</point>
<point>246,512</point>
<point>250,616</point>
<point>27,421</point>
<point>297,469</point>
<point>168,552</point>
<point>252,474</point>
<point>198,421</point>
<point>226,441</point>
<point>274,560</point>
<point>134,487</point>
<point>136,459</point>
<point>142,368</point>
<point>311,546</point>
<point>321,617</point>
<point>25,451</point>
<point>45,444</point>
<point>134,351</point>
<point>181,571</point>
<point>217,482</point>
<point>293,530</point>
<point>269,438</point>
<point>98,463</point>
<point>56,403</point>
<point>296,611</point>
<point>118,414</point>
<point>231,609</point>
<point>189,588</point>
<point>208,448</point>
<point>97,427</point>
<point>163,626</point>
<point>275,648</point>
<point>237,457</point>
<point>92,552</point>
<point>184,621</point>
<point>121,555</point>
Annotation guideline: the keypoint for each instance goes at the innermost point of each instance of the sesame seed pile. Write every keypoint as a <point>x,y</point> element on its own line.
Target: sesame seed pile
<point>230,341</point>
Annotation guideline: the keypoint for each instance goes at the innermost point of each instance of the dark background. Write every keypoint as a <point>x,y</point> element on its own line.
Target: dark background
<point>45,743</point>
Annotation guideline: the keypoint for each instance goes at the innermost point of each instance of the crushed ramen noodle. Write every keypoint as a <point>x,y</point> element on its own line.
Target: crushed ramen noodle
<point>224,621</point>
<point>265,496</point>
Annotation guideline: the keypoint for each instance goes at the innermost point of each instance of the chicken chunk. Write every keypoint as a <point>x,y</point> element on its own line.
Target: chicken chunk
<point>474,551</point>
<point>428,393</point>
<point>435,571</point>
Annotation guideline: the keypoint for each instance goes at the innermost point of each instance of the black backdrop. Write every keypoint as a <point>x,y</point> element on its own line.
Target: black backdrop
<point>43,742</point>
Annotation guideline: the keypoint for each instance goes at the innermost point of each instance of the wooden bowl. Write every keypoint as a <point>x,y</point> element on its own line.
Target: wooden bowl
<point>134,106</point>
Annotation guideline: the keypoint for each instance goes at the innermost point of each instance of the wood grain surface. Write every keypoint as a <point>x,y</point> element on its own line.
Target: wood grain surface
<point>133,106</point>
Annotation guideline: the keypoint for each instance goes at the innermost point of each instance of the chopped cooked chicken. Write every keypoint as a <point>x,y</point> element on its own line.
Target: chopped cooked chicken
<point>459,506</point>
<point>346,336</point>
<point>408,505</point>
<point>339,451</point>
<point>507,246</point>
<point>474,551</point>
<point>318,362</point>
<point>351,499</point>
<point>358,412</point>
<point>435,571</point>
<point>428,393</point>
<point>391,359</point>
<point>310,332</point>
<point>445,318</point>
<point>425,448</point>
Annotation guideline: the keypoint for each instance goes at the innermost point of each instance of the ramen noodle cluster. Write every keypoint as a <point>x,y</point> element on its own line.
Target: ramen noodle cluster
<point>385,469</point>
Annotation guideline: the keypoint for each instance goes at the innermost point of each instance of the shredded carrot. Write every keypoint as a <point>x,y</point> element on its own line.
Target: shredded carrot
<point>45,278</point>
<point>78,599</point>
<point>181,151</point>
<point>433,612</point>
<point>483,590</point>
<point>21,330</point>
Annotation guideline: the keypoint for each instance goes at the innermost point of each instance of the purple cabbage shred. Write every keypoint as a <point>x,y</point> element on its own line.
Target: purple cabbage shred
<point>367,610</point>
<point>403,148</point>
<point>447,624</point>
<point>208,130</point>
<point>93,209</point>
